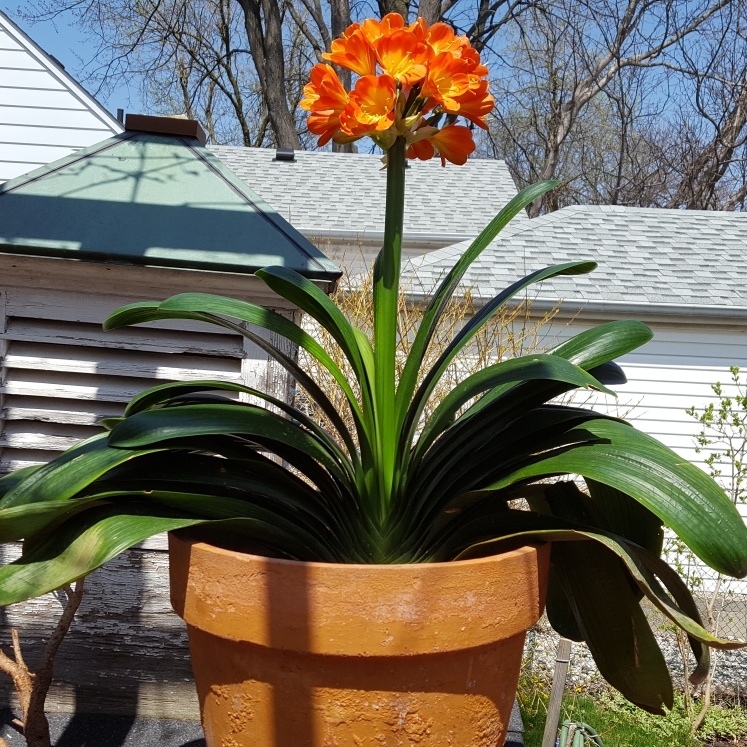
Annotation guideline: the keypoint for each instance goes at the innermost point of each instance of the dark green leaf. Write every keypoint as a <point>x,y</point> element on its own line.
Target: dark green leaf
<point>444,292</point>
<point>267,428</point>
<point>681,495</point>
<point>69,473</point>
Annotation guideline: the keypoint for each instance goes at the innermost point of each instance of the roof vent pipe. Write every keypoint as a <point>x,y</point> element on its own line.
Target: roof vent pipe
<point>285,154</point>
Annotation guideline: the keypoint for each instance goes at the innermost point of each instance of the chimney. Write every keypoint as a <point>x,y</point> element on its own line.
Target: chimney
<point>285,154</point>
<point>166,126</point>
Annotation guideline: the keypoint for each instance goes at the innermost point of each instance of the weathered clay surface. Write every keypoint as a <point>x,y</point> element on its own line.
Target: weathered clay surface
<point>302,655</point>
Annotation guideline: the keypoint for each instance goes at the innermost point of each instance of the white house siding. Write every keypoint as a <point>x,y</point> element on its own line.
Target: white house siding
<point>668,375</point>
<point>44,113</point>
<point>673,372</point>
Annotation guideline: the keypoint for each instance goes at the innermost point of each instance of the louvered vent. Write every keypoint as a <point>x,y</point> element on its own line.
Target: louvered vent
<point>59,378</point>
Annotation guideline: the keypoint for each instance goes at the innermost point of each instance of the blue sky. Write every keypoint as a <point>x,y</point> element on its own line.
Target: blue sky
<point>69,46</point>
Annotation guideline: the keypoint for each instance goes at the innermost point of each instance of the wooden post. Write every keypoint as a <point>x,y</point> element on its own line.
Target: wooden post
<point>562,659</point>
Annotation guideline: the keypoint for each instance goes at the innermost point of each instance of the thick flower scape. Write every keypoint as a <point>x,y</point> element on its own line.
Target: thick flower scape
<point>414,81</point>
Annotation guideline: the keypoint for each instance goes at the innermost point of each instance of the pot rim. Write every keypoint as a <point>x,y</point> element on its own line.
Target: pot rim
<point>199,544</point>
<point>354,609</point>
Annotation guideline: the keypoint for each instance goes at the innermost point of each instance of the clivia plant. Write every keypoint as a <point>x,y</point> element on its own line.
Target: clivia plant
<point>398,487</point>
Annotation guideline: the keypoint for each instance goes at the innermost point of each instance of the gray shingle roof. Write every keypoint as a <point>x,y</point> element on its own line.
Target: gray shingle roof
<point>645,256</point>
<point>323,191</point>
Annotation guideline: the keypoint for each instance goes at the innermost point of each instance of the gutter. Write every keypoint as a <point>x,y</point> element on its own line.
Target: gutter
<point>691,312</point>
<point>377,237</point>
<point>672,312</point>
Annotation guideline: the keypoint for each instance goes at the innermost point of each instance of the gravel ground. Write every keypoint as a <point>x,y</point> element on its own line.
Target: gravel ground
<point>542,642</point>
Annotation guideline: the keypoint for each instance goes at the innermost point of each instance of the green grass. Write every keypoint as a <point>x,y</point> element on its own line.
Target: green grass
<point>621,724</point>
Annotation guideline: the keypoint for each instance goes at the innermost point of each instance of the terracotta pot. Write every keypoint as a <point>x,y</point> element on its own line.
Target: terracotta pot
<point>290,654</point>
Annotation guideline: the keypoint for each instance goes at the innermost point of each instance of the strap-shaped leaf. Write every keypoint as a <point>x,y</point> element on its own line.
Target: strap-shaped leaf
<point>311,299</point>
<point>605,602</point>
<point>267,319</point>
<point>590,349</point>
<point>560,614</point>
<point>435,309</point>
<point>467,332</point>
<point>247,475</point>
<point>187,306</point>
<point>627,518</point>
<point>680,494</point>
<point>513,528</point>
<point>250,473</point>
<point>492,451</point>
<point>19,522</point>
<point>612,623</point>
<point>167,392</point>
<point>156,426</point>
<point>81,545</point>
<point>9,481</point>
<point>70,472</point>
<point>91,538</point>
<point>603,343</point>
<point>525,368</point>
<point>318,541</point>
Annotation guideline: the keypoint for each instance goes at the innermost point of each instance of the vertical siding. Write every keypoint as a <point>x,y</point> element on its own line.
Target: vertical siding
<point>44,114</point>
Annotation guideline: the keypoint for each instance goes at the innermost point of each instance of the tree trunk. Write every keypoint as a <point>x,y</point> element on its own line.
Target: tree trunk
<point>340,16</point>
<point>430,10</point>
<point>266,47</point>
<point>697,190</point>
<point>395,6</point>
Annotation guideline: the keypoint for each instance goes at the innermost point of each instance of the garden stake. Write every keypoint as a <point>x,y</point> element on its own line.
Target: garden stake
<point>562,659</point>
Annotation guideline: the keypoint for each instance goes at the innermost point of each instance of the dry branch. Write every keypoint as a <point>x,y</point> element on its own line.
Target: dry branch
<point>32,687</point>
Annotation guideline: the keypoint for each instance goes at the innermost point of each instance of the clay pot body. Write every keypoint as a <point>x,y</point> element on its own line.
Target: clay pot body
<point>290,654</point>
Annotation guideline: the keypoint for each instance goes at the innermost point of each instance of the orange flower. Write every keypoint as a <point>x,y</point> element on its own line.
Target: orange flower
<point>447,80</point>
<point>468,53</point>
<point>371,106</point>
<point>422,150</point>
<point>419,29</point>
<point>454,143</point>
<point>402,56</point>
<point>447,71</point>
<point>441,38</point>
<point>373,30</point>
<point>477,109</point>
<point>353,52</point>
<point>326,98</point>
<point>325,91</point>
<point>476,104</point>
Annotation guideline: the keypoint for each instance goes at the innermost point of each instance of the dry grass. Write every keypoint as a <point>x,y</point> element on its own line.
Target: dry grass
<point>513,331</point>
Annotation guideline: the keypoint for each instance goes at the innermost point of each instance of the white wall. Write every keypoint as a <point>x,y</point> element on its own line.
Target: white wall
<point>44,114</point>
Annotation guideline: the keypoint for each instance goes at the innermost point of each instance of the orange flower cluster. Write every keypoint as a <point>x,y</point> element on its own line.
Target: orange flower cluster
<point>410,78</point>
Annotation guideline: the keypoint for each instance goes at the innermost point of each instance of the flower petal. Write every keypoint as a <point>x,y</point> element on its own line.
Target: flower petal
<point>454,143</point>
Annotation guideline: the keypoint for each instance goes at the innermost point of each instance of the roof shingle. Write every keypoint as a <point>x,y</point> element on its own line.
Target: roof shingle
<point>645,255</point>
<point>322,191</point>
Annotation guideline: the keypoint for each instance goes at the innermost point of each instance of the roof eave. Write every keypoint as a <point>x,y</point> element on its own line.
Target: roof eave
<point>670,312</point>
<point>84,256</point>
